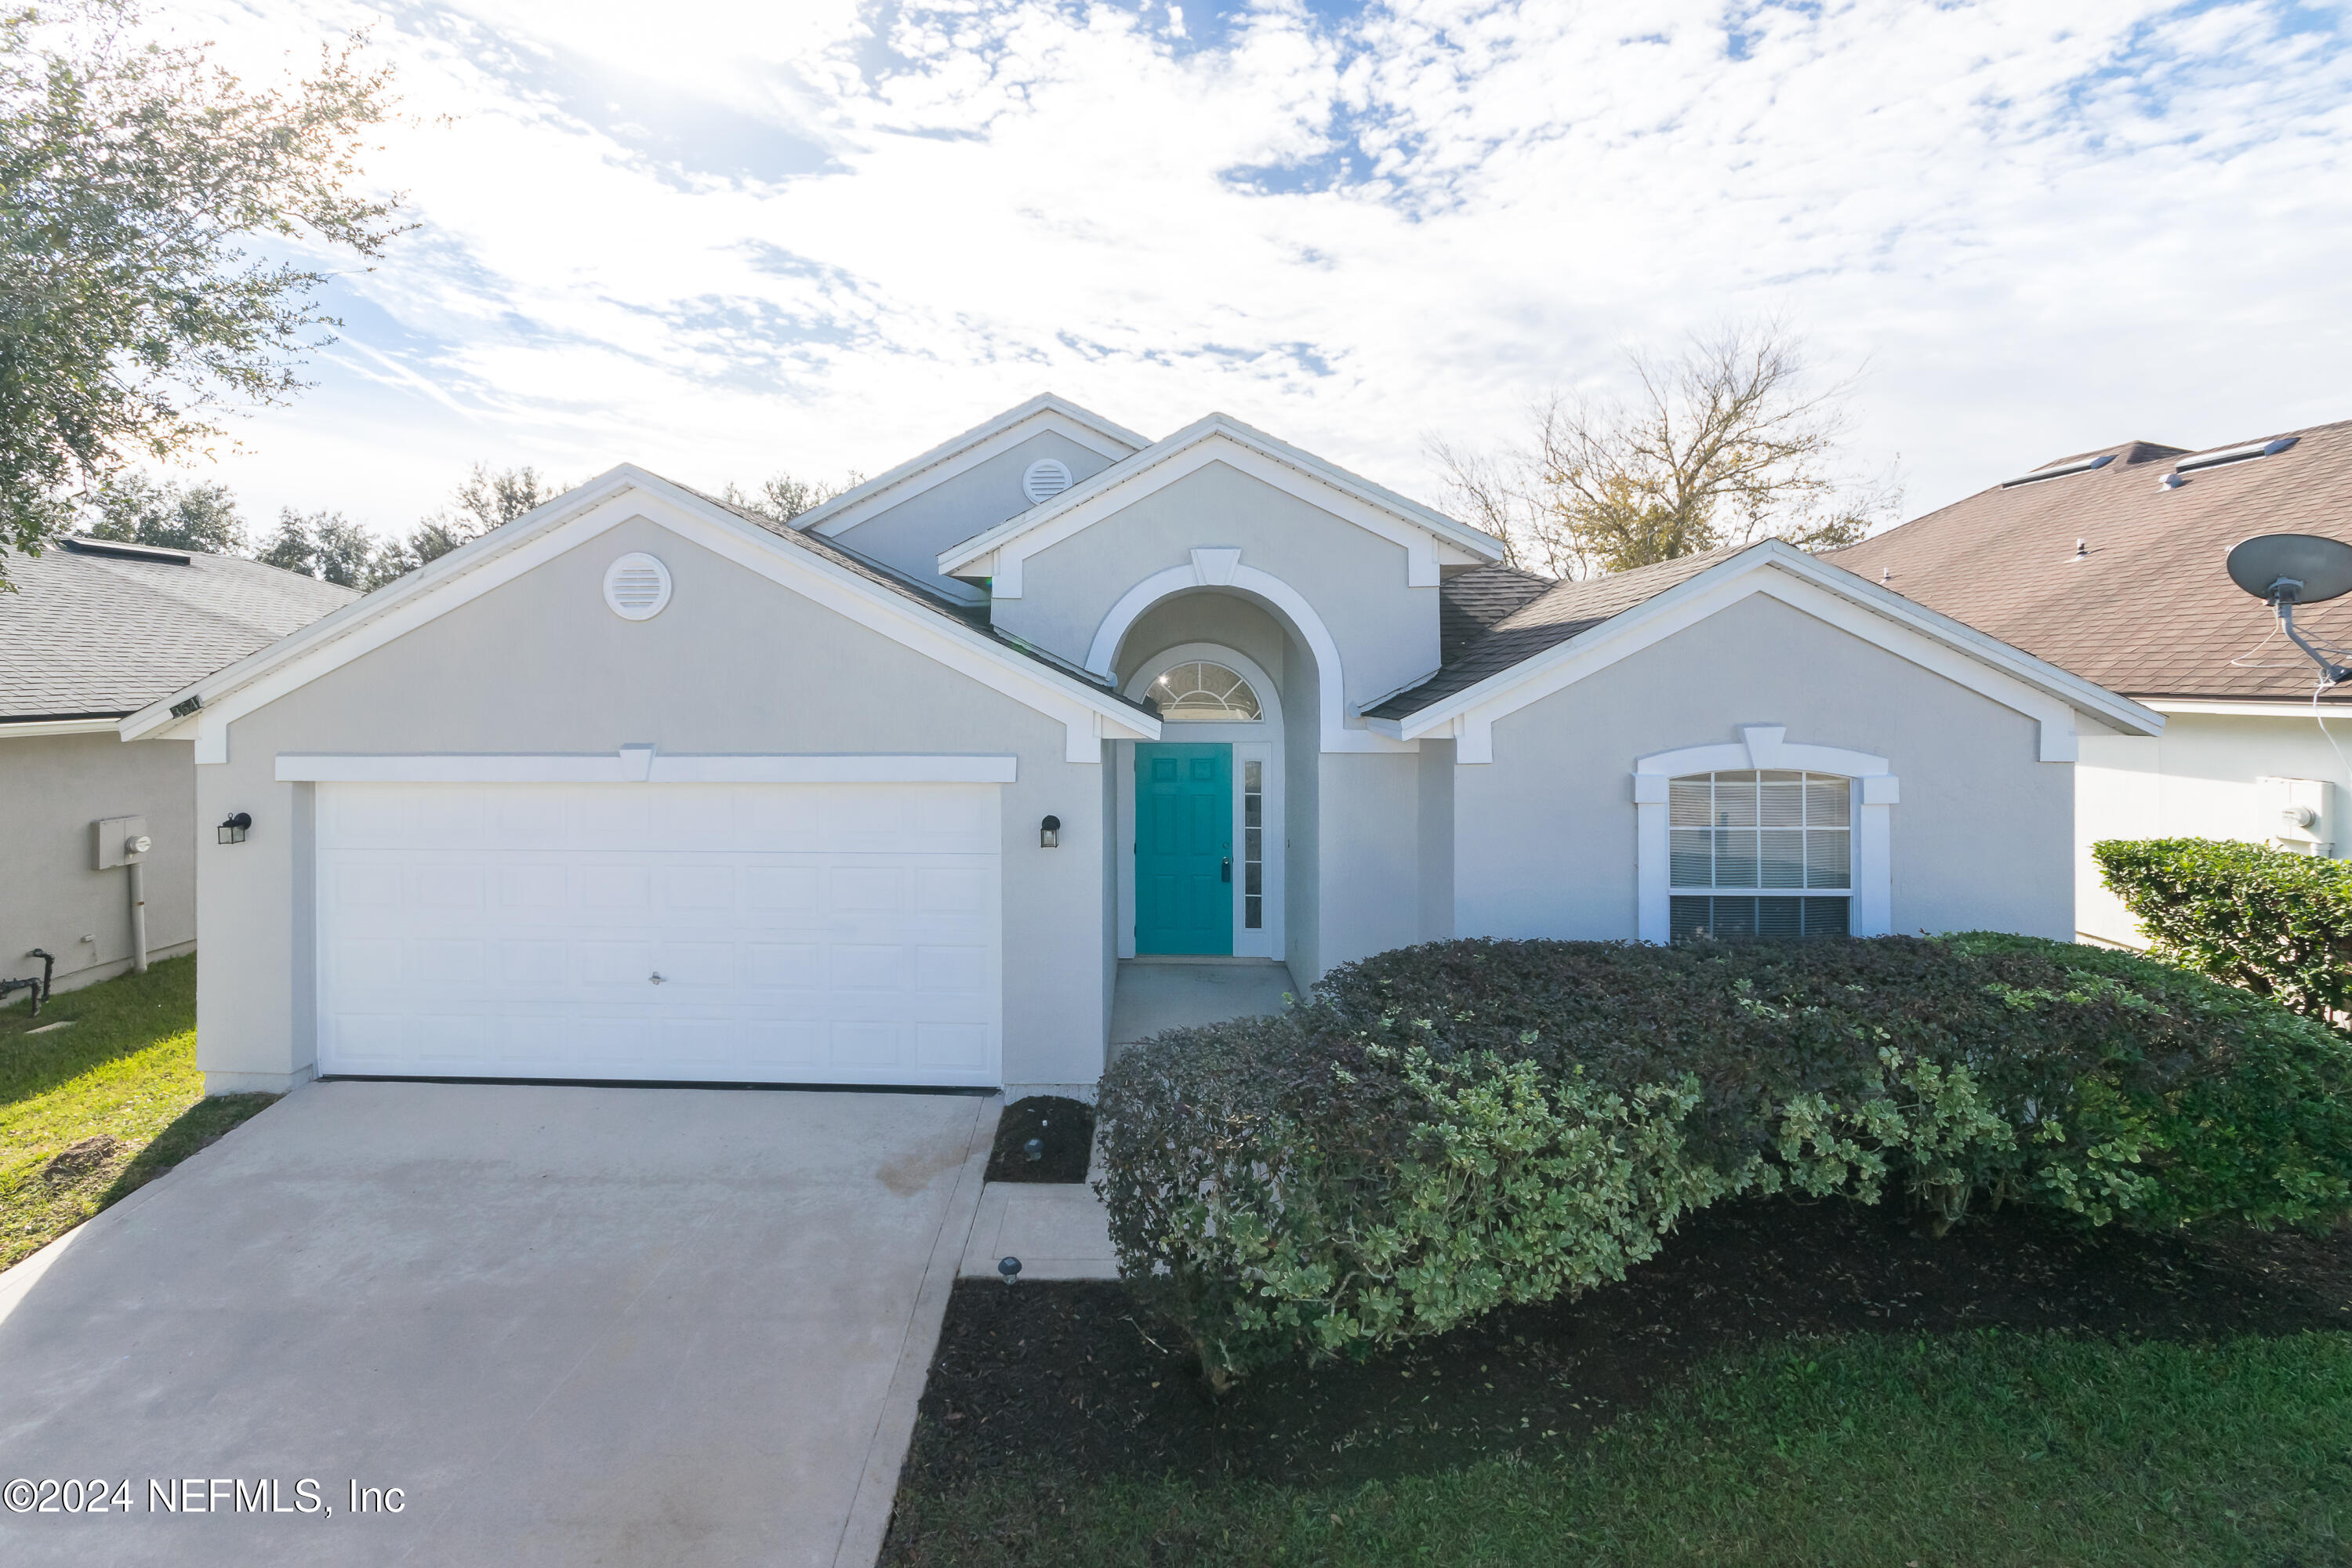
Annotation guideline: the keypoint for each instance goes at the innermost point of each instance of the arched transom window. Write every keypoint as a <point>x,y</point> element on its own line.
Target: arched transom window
<point>1761,853</point>
<point>1200,692</point>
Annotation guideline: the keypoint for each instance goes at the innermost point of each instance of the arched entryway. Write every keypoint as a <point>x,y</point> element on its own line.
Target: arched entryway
<point>1204,807</point>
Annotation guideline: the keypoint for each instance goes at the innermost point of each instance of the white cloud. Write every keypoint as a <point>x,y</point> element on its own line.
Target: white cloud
<point>821,236</point>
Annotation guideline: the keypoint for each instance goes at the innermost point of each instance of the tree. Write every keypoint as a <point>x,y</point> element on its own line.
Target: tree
<point>137,510</point>
<point>1727,444</point>
<point>785,498</point>
<point>132,178</point>
<point>328,545</point>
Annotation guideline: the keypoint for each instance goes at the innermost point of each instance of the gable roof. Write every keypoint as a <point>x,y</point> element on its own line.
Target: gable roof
<point>997,551</point>
<point>953,455</point>
<point>973,618</point>
<point>1549,617</point>
<point>880,598</point>
<point>1577,629</point>
<point>1470,603</point>
<point>100,630</point>
<point>2146,609</point>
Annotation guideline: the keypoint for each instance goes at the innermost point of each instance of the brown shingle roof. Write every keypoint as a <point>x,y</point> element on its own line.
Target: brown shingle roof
<point>1560,612</point>
<point>2148,611</point>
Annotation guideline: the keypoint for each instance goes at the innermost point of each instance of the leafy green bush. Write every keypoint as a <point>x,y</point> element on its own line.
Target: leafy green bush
<point>1446,1128</point>
<point>2278,924</point>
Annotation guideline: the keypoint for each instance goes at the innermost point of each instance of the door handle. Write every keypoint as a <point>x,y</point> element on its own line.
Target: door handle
<point>1225,869</point>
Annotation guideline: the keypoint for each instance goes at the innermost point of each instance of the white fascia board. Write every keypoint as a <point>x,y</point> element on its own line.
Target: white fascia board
<point>2301,707</point>
<point>968,450</point>
<point>1089,715</point>
<point>1430,538</point>
<point>619,767</point>
<point>1958,652</point>
<point>30,729</point>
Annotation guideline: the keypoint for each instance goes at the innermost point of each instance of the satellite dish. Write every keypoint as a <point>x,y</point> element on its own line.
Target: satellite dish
<point>2302,568</point>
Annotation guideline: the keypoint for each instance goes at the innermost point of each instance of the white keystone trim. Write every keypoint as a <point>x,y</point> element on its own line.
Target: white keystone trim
<point>1088,714</point>
<point>2016,679</point>
<point>960,454</point>
<point>640,764</point>
<point>1429,539</point>
<point>1870,911</point>
<point>1330,682</point>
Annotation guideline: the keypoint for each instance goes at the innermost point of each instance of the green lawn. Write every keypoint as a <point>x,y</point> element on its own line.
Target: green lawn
<point>92,1113</point>
<point>1978,1450</point>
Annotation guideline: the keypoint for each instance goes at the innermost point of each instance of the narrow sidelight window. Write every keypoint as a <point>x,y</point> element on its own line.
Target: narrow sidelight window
<point>1254,846</point>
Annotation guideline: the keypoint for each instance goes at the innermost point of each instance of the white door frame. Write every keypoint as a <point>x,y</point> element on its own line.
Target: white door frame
<point>1258,742</point>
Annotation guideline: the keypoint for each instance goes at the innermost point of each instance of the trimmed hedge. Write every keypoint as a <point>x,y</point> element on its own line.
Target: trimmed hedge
<point>1446,1128</point>
<point>2278,924</point>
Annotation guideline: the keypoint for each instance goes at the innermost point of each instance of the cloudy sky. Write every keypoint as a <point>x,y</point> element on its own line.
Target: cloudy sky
<point>817,236</point>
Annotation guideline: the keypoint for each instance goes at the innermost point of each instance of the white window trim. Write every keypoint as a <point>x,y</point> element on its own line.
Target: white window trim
<point>1876,792</point>
<point>1258,741</point>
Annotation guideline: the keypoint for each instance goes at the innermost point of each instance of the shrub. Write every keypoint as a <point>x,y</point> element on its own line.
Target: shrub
<point>1448,1128</point>
<point>2278,924</point>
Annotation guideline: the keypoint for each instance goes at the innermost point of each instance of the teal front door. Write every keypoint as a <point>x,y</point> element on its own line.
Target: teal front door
<point>1183,850</point>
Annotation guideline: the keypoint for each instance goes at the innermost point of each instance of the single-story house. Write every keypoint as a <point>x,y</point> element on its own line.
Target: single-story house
<point>95,630</point>
<point>644,787</point>
<point>2110,564</point>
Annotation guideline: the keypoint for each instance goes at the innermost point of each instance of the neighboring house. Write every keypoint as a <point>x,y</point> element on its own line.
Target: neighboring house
<point>95,630</point>
<point>2110,564</point>
<point>644,787</point>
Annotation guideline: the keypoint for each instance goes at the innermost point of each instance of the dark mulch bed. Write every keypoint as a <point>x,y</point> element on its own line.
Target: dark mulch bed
<point>1066,1129</point>
<point>1076,1377</point>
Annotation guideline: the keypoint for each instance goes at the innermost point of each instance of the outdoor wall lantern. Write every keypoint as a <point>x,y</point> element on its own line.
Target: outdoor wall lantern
<point>232,830</point>
<point>1049,834</point>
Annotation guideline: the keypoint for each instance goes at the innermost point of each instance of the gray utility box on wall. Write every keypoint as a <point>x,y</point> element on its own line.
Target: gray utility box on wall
<point>116,836</point>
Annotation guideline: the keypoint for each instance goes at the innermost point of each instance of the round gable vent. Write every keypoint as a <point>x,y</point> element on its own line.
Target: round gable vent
<point>636,587</point>
<point>1044,478</point>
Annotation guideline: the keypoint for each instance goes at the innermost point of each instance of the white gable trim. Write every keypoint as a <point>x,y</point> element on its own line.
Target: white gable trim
<point>1871,878</point>
<point>1429,539</point>
<point>626,494</point>
<point>962,452</point>
<point>1212,566</point>
<point>1960,653</point>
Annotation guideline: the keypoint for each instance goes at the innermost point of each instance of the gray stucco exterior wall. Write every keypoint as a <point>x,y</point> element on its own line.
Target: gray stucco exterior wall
<point>1544,834</point>
<point>736,664</point>
<point>1386,632</point>
<point>52,788</point>
<point>910,535</point>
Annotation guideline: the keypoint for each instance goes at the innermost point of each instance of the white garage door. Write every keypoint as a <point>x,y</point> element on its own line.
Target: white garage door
<point>772,934</point>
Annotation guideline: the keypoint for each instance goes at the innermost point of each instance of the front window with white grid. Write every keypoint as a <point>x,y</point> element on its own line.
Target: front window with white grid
<point>1763,852</point>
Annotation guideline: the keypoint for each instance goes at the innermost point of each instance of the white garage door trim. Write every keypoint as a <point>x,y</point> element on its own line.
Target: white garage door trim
<point>641,764</point>
<point>801,933</point>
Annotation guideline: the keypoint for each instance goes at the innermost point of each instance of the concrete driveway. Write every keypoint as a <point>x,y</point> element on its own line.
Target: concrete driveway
<point>571,1325</point>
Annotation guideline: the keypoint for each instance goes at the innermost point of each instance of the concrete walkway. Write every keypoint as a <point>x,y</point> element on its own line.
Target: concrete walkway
<point>1156,994</point>
<point>569,1325</point>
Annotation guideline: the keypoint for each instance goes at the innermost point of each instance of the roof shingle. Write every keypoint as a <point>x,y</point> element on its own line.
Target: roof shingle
<point>2147,610</point>
<point>89,635</point>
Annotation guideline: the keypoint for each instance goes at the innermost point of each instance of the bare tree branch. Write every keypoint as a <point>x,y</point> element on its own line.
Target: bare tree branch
<point>1728,443</point>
